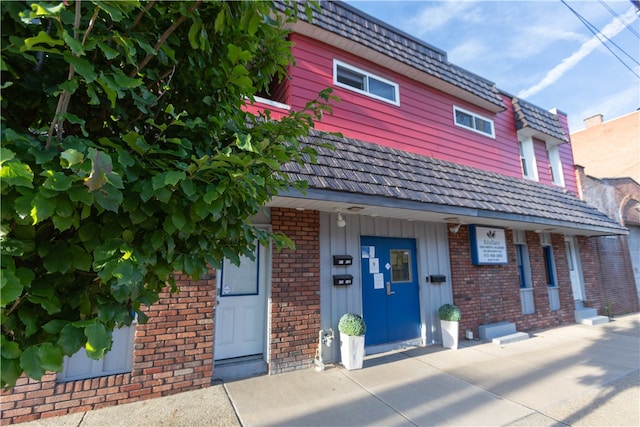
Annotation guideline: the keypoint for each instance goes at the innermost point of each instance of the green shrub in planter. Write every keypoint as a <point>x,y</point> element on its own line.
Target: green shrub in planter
<point>449,312</point>
<point>352,324</point>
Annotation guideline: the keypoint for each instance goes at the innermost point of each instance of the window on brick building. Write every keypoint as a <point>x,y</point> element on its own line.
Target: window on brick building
<point>550,271</point>
<point>524,272</point>
<point>118,360</point>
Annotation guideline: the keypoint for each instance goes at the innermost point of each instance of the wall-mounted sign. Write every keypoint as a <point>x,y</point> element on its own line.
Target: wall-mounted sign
<point>488,245</point>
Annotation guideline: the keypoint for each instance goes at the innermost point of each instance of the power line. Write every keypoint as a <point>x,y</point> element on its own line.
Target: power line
<point>619,18</point>
<point>597,34</point>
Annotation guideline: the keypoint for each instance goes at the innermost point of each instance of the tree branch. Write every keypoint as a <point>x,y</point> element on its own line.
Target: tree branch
<point>163,39</point>
<point>63,101</point>
<point>142,13</point>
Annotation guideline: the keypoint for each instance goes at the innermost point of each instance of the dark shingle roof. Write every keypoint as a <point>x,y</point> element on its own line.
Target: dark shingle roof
<point>528,115</point>
<point>353,24</point>
<point>363,168</point>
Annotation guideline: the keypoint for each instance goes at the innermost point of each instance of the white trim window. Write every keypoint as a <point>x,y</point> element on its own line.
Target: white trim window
<point>528,158</point>
<point>473,122</point>
<point>555,165</point>
<point>118,360</point>
<point>357,80</point>
<point>523,265</point>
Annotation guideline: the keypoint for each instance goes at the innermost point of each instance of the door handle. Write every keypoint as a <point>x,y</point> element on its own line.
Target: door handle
<point>389,291</point>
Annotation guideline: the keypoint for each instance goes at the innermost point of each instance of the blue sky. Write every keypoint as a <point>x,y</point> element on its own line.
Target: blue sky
<point>538,50</point>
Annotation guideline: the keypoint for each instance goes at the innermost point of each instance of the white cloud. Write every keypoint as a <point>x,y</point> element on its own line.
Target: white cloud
<point>468,51</point>
<point>610,30</point>
<point>611,107</point>
<point>432,18</point>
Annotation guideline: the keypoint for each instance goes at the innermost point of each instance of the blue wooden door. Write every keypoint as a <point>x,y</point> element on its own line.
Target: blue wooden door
<point>391,306</point>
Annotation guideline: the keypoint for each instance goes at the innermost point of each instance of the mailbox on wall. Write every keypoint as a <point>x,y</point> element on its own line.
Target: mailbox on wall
<point>342,260</point>
<point>342,279</point>
<point>437,278</point>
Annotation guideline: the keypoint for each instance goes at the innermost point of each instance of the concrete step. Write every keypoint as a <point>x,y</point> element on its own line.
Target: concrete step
<point>518,336</point>
<point>494,330</point>
<point>584,313</point>
<point>596,320</point>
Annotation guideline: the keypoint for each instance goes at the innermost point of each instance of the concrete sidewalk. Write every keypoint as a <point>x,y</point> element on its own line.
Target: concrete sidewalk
<point>575,375</point>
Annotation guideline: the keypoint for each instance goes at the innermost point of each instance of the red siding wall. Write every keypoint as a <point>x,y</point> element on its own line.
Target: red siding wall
<point>172,353</point>
<point>489,294</point>
<point>295,291</point>
<point>423,123</point>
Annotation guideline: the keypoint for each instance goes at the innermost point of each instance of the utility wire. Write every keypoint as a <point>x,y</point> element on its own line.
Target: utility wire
<point>619,18</point>
<point>597,34</point>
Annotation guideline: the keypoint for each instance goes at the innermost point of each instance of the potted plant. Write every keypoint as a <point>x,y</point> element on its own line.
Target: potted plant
<point>449,315</point>
<point>352,329</point>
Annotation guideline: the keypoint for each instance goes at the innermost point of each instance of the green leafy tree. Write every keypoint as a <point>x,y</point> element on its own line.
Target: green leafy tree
<point>127,156</point>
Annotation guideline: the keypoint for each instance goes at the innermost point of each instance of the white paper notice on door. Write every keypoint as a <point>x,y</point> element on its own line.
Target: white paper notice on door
<point>374,265</point>
<point>368,251</point>
<point>378,281</point>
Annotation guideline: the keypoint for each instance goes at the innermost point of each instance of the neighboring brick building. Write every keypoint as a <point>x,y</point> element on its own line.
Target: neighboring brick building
<point>608,157</point>
<point>609,149</point>
<point>442,188</point>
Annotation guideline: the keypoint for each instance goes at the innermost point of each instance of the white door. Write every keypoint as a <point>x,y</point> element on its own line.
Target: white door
<point>573,259</point>
<point>240,313</point>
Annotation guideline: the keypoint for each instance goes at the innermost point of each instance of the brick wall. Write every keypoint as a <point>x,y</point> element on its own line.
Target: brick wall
<point>173,352</point>
<point>491,293</point>
<point>608,275</point>
<point>295,291</point>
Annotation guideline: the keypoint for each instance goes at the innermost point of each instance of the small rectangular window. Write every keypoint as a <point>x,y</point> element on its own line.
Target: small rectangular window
<point>240,280</point>
<point>353,78</point>
<point>555,166</point>
<point>116,361</point>
<point>400,265</point>
<point>473,122</point>
<point>528,158</point>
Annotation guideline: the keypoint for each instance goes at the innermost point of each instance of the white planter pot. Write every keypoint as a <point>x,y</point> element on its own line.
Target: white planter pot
<point>351,351</point>
<point>449,334</point>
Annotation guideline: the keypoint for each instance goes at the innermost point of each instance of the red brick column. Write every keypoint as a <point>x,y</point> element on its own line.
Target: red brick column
<point>295,291</point>
<point>173,352</point>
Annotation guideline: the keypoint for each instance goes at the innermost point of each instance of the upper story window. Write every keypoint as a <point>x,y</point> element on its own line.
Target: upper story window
<point>555,165</point>
<point>473,122</point>
<point>353,78</point>
<point>528,158</point>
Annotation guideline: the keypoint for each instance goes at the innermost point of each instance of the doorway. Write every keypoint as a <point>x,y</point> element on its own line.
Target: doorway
<point>575,272</point>
<point>241,320</point>
<point>390,294</point>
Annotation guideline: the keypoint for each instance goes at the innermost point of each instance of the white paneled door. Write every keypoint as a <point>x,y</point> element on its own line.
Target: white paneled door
<point>241,311</point>
<point>573,259</point>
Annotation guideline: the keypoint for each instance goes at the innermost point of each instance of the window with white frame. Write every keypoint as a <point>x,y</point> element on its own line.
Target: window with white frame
<point>118,360</point>
<point>555,165</point>
<point>523,265</point>
<point>473,122</point>
<point>353,78</point>
<point>522,258</point>
<point>528,158</point>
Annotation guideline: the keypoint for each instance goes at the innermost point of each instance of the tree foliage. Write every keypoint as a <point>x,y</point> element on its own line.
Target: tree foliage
<point>127,156</point>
